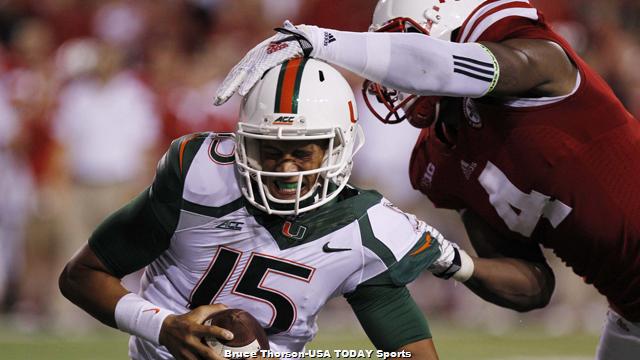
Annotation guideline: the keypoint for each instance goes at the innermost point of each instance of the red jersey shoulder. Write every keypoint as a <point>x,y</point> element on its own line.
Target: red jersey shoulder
<point>499,20</point>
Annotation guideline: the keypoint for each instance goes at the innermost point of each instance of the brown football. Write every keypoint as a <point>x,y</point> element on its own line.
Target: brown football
<point>248,334</point>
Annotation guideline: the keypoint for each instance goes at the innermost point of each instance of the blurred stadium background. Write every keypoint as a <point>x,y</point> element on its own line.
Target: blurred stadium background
<point>92,92</point>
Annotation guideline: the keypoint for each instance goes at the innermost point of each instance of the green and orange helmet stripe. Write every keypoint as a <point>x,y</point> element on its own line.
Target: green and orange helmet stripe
<point>288,87</point>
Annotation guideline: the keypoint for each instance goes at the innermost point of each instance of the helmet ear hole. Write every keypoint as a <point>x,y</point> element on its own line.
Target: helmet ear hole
<point>321,76</point>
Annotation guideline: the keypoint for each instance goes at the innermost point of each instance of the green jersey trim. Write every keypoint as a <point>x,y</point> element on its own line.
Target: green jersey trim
<point>370,241</point>
<point>131,238</point>
<point>424,253</point>
<point>212,211</point>
<point>168,185</point>
<point>389,316</point>
<point>288,232</point>
<point>139,232</point>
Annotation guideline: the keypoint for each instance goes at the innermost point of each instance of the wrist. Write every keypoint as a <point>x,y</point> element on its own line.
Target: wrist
<point>467,267</point>
<point>315,36</point>
<point>166,324</point>
<point>140,317</point>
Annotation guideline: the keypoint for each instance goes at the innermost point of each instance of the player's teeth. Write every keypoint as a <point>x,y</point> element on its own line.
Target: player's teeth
<point>286,186</point>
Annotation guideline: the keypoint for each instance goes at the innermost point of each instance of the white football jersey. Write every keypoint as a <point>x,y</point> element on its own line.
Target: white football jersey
<point>281,270</point>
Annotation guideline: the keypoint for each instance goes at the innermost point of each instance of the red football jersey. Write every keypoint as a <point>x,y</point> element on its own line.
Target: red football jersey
<point>563,172</point>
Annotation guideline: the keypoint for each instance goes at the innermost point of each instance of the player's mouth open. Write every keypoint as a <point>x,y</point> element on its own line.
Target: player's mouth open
<point>286,190</point>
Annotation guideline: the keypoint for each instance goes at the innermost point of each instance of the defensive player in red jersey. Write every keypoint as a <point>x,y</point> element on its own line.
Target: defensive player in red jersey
<point>520,135</point>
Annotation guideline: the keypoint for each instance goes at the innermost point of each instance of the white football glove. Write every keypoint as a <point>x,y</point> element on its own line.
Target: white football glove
<point>453,261</point>
<point>288,43</point>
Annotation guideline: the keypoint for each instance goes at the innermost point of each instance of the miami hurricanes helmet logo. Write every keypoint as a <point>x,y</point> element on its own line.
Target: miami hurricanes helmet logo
<point>293,231</point>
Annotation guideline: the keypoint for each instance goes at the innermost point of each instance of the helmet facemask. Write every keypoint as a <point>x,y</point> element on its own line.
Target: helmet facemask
<point>395,102</point>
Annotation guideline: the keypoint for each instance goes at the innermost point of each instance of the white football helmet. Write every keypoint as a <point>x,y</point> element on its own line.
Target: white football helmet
<point>301,99</point>
<point>437,18</point>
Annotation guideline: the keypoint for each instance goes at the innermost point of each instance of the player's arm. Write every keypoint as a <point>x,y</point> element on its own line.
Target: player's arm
<point>126,241</point>
<point>391,319</point>
<point>532,68</point>
<point>422,65</point>
<point>382,303</point>
<point>507,273</point>
<point>418,64</point>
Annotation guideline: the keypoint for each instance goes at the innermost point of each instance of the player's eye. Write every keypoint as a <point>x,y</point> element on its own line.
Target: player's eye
<point>271,153</point>
<point>302,154</point>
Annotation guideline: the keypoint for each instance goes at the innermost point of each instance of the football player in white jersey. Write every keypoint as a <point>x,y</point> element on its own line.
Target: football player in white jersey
<point>513,138</point>
<point>262,220</point>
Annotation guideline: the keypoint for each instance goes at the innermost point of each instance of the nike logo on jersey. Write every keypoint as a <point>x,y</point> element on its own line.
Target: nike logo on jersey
<point>230,225</point>
<point>425,246</point>
<point>328,249</point>
<point>155,310</point>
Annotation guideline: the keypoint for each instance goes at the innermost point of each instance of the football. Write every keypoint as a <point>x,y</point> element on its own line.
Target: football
<point>249,336</point>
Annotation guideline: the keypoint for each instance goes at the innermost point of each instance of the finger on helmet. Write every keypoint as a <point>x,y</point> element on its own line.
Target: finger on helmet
<point>229,87</point>
<point>248,83</point>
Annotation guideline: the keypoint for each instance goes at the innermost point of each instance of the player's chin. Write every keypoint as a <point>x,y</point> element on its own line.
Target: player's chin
<point>285,190</point>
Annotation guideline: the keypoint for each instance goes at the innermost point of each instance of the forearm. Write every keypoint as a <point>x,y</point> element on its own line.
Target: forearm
<point>419,350</point>
<point>86,282</point>
<point>95,292</point>
<point>513,283</point>
<point>413,63</point>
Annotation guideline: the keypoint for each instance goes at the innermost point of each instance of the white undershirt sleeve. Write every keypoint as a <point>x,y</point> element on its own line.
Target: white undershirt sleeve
<point>409,62</point>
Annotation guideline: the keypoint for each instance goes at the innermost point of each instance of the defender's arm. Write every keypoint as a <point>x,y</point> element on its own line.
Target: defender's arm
<point>508,274</point>
<point>422,65</point>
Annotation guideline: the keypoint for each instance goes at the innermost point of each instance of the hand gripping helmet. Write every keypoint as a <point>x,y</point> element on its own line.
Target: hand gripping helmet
<point>301,99</point>
<point>436,18</point>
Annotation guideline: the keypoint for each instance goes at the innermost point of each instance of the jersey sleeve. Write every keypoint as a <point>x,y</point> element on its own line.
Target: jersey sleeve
<point>389,315</point>
<point>396,247</point>
<point>138,233</point>
<point>499,20</point>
